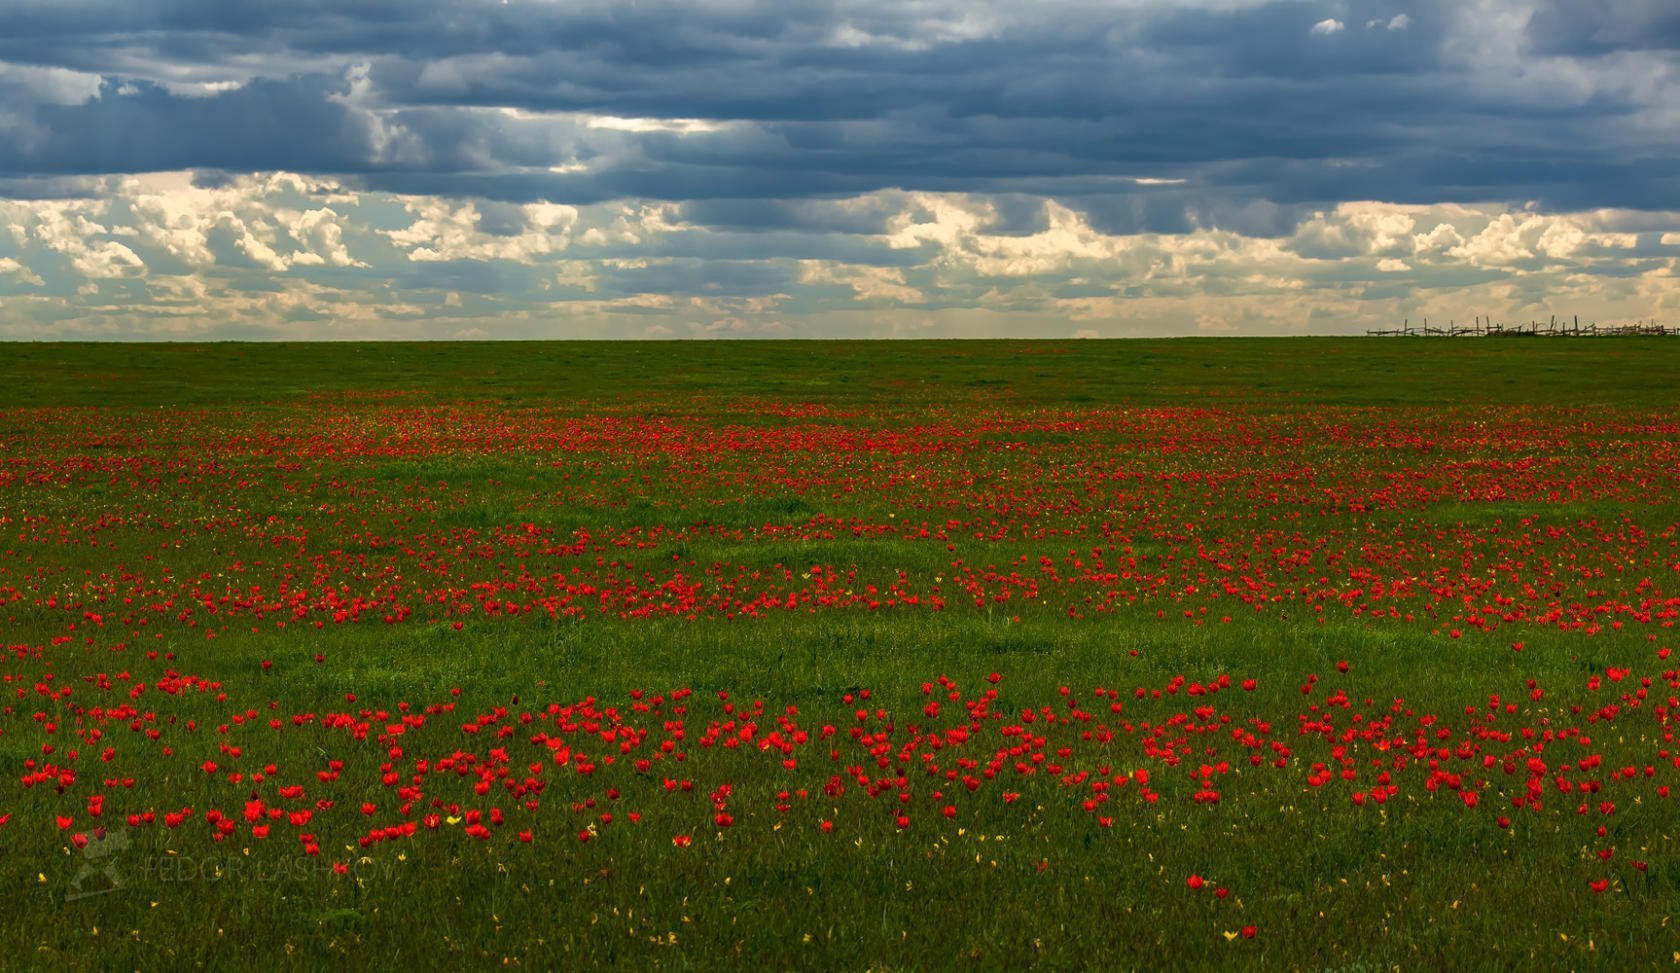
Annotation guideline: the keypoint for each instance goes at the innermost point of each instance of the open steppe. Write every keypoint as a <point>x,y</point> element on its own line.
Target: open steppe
<point>1294,653</point>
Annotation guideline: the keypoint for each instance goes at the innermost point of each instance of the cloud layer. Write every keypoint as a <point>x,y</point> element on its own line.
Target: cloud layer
<point>403,168</point>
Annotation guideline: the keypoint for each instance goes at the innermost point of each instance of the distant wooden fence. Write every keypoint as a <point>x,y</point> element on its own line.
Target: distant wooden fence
<point>1489,328</point>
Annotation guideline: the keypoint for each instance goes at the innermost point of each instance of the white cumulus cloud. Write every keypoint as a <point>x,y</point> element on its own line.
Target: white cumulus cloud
<point>9,267</point>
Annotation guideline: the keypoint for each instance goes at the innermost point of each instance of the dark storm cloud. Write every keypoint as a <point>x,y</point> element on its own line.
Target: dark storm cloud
<point>138,126</point>
<point>1572,28</point>
<point>1281,104</point>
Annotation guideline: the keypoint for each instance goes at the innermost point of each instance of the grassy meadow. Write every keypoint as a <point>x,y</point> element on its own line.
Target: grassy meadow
<point>1259,653</point>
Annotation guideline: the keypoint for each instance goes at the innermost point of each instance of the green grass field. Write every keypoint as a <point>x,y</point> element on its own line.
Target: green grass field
<point>1292,654</point>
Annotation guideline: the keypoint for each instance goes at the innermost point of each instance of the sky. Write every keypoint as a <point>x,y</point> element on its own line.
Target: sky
<point>408,169</point>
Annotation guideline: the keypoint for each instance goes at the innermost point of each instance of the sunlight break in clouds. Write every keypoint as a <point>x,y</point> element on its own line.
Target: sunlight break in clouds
<point>291,255</point>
